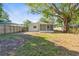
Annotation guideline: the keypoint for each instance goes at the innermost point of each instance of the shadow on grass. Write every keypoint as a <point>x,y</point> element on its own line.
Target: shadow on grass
<point>39,46</point>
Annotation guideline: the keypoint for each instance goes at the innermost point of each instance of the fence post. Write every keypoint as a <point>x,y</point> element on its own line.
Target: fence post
<point>4,28</point>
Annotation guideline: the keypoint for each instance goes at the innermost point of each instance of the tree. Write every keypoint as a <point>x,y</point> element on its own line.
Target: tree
<point>43,19</point>
<point>66,12</point>
<point>0,10</point>
<point>46,20</point>
<point>26,24</point>
<point>3,15</point>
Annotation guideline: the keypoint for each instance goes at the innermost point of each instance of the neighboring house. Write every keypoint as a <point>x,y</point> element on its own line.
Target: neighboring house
<point>41,27</point>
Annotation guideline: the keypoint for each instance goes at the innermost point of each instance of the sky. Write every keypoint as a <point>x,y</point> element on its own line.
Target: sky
<point>19,12</point>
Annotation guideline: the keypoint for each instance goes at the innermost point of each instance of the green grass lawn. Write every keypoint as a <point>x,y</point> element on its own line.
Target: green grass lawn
<point>9,37</point>
<point>39,45</point>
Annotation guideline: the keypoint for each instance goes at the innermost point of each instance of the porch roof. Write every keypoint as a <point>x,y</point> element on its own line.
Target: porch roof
<point>44,23</point>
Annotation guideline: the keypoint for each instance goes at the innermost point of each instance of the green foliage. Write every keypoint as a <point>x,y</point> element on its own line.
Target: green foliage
<point>0,9</point>
<point>3,15</point>
<point>41,8</point>
<point>27,23</point>
<point>46,20</point>
<point>4,21</point>
<point>59,22</point>
<point>43,20</point>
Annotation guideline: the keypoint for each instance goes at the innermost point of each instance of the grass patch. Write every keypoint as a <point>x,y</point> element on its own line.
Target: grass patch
<point>9,37</point>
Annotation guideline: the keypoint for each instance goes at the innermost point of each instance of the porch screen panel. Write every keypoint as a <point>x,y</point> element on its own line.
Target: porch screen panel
<point>42,27</point>
<point>51,27</point>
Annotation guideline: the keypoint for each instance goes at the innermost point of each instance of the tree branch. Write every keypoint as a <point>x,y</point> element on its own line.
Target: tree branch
<point>56,9</point>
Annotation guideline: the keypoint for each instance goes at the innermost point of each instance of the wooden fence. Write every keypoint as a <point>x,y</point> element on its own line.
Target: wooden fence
<point>10,28</point>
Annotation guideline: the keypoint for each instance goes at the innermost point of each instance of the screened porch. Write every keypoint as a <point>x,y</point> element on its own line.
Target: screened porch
<point>46,28</point>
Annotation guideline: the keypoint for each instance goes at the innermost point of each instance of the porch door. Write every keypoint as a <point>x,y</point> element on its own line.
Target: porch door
<point>49,27</point>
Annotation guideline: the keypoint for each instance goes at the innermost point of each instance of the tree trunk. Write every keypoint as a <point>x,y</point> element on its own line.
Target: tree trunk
<point>66,27</point>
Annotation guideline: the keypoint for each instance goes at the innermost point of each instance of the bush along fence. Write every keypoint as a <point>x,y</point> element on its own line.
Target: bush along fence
<point>10,28</point>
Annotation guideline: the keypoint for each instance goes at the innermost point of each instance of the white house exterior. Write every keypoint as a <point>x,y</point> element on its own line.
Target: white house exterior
<point>41,27</point>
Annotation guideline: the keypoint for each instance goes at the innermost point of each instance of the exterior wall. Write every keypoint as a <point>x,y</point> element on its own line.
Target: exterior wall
<point>32,29</point>
<point>40,27</point>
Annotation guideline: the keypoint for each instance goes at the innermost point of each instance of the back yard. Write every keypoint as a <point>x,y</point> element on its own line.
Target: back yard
<point>39,44</point>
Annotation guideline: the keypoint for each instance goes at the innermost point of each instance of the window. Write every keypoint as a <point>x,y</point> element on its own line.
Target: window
<point>34,26</point>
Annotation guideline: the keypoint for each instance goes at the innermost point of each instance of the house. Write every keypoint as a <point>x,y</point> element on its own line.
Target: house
<point>41,27</point>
